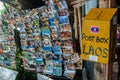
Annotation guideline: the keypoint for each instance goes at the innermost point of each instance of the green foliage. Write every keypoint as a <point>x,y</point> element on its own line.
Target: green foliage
<point>23,74</point>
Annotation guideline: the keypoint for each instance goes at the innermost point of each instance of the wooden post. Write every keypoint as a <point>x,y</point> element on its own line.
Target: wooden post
<point>110,68</point>
<point>75,23</point>
<point>112,3</point>
<point>80,25</point>
<point>76,5</point>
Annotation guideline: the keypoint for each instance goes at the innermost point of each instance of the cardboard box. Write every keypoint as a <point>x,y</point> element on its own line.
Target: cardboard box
<point>99,35</point>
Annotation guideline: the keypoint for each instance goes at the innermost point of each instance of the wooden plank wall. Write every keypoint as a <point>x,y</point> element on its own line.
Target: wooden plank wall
<point>100,71</point>
<point>103,3</point>
<point>107,3</point>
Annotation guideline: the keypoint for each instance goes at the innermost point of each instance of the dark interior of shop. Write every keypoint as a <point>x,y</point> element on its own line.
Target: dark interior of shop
<point>30,4</point>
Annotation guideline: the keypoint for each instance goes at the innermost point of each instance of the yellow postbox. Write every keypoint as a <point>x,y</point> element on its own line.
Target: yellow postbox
<point>99,35</point>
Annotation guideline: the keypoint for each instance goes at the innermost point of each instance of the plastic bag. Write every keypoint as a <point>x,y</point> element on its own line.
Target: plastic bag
<point>42,77</point>
<point>7,74</point>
